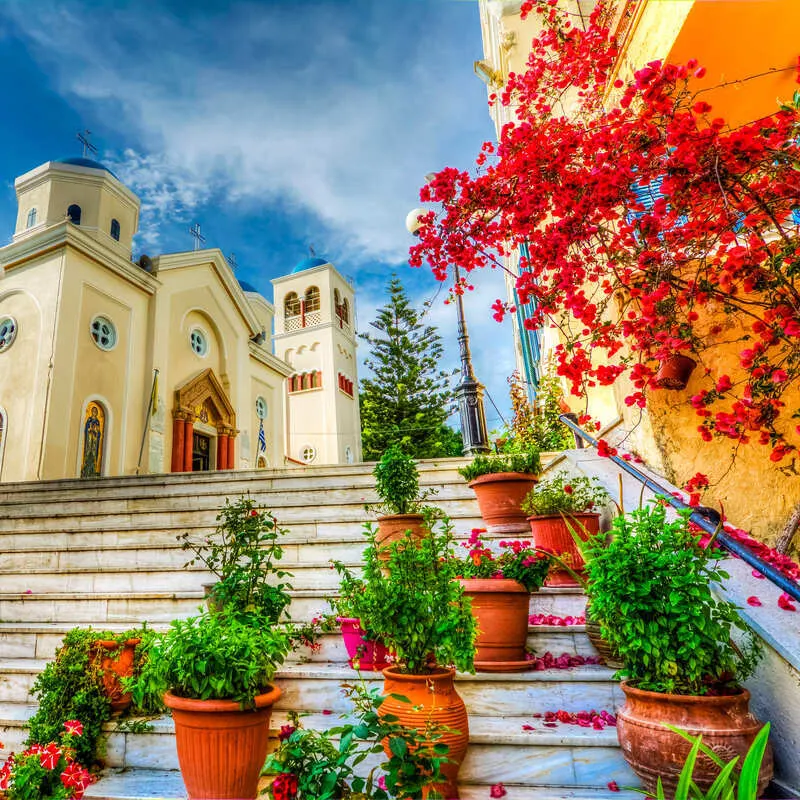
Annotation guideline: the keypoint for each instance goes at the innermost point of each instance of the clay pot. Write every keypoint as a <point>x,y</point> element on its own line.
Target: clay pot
<point>674,373</point>
<point>501,608</point>
<point>221,748</point>
<point>365,655</point>
<point>500,496</point>
<point>607,652</point>
<point>552,534</point>
<point>653,751</point>
<point>392,528</point>
<point>433,698</point>
<point>115,664</point>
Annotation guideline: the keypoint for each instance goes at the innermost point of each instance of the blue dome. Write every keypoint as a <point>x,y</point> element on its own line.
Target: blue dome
<point>308,263</point>
<point>248,287</point>
<point>85,162</point>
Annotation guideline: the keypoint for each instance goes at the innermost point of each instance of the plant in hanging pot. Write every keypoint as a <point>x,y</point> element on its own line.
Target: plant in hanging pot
<point>650,585</point>
<point>419,610</point>
<point>215,671</point>
<point>550,504</point>
<point>500,483</point>
<point>401,506</point>
<point>499,586</point>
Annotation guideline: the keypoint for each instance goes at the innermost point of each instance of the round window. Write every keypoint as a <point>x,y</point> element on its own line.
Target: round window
<point>8,332</point>
<point>261,408</point>
<point>198,341</point>
<point>308,453</point>
<point>104,333</point>
<point>348,454</point>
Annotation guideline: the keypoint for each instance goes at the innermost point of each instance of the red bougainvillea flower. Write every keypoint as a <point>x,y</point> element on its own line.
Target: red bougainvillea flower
<point>612,786</point>
<point>552,619</point>
<point>284,787</point>
<point>585,719</point>
<point>497,790</point>
<point>327,711</point>
<point>753,601</point>
<point>74,727</point>
<point>786,603</point>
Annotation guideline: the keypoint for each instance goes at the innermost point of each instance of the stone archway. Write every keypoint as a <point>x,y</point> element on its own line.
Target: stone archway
<point>203,399</point>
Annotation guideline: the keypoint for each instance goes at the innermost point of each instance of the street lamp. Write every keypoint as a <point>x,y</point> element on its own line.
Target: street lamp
<point>469,391</point>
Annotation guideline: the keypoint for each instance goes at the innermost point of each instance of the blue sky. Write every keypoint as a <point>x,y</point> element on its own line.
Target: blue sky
<point>275,124</point>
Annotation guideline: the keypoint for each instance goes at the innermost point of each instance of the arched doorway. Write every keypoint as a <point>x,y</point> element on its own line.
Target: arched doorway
<point>204,426</point>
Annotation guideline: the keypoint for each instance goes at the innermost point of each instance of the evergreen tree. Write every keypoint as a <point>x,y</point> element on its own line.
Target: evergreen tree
<point>406,399</point>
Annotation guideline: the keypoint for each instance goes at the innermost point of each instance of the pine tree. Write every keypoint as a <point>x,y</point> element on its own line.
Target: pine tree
<point>406,399</point>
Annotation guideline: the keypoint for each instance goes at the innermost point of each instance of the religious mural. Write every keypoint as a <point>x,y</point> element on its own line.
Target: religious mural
<point>93,438</point>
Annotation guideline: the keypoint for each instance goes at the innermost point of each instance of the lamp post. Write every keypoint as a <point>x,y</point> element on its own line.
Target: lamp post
<point>469,391</point>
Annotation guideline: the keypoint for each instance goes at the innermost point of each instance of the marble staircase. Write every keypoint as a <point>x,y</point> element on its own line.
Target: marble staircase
<point>104,553</point>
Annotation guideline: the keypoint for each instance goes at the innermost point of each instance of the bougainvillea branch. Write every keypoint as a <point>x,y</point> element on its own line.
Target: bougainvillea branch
<point>650,228</point>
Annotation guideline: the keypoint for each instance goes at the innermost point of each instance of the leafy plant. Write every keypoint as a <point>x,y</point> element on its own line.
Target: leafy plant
<point>527,462</point>
<point>242,554</point>
<point>312,765</point>
<point>518,561</point>
<point>564,494</point>
<point>397,483</point>
<point>355,601</point>
<point>49,771</point>
<point>214,656</point>
<point>71,687</point>
<point>413,604</point>
<point>650,588</point>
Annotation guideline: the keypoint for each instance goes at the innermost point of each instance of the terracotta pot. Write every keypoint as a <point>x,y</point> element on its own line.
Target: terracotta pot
<point>500,496</point>
<point>392,528</point>
<point>551,533</point>
<point>433,698</point>
<point>371,656</point>
<point>115,664</point>
<point>674,373</point>
<point>607,652</point>
<point>653,751</point>
<point>501,608</point>
<point>221,749</point>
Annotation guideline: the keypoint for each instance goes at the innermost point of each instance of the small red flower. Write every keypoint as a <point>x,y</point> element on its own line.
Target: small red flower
<point>74,727</point>
<point>50,756</point>
<point>753,601</point>
<point>327,712</point>
<point>568,489</point>
<point>785,602</point>
<point>498,790</point>
<point>612,786</point>
<point>285,732</point>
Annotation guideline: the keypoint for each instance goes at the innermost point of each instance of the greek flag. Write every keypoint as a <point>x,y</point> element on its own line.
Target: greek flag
<point>262,438</point>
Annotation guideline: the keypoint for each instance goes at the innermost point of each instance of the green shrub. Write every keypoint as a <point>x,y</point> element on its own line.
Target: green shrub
<point>527,462</point>
<point>563,494</point>
<point>397,483</point>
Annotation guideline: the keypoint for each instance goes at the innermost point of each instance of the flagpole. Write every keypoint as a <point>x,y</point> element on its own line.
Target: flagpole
<point>152,407</point>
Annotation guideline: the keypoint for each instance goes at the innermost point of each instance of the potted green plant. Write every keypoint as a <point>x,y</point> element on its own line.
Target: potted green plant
<point>215,672</point>
<point>401,504</point>
<point>550,504</point>
<point>650,584</point>
<point>500,483</point>
<point>243,555</point>
<point>499,586</point>
<point>419,610</point>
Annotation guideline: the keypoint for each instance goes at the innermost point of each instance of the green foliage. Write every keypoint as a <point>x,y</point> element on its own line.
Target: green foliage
<point>71,687</point>
<point>564,494</point>
<point>414,605</point>
<point>723,787</point>
<point>223,655</point>
<point>242,554</point>
<point>354,600</point>
<point>650,588</point>
<point>397,483</point>
<point>527,462</point>
<point>406,399</point>
<point>325,769</point>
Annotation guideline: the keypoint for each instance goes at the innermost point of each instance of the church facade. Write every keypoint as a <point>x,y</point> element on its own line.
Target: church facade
<point>170,364</point>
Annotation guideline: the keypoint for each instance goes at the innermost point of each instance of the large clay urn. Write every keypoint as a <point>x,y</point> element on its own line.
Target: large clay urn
<point>654,751</point>
<point>674,372</point>
<point>500,497</point>
<point>392,528</point>
<point>501,608</point>
<point>115,662</point>
<point>433,698</point>
<point>221,748</point>
<point>550,533</point>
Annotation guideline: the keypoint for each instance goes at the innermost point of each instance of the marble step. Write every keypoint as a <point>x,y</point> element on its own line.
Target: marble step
<point>317,686</point>
<point>565,756</point>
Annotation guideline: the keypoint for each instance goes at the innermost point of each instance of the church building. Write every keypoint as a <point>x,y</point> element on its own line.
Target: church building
<point>166,364</point>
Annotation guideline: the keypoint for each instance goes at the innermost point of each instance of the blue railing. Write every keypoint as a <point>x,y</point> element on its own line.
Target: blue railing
<point>705,518</point>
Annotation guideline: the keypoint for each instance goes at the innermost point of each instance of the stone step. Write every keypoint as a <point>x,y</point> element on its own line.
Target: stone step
<point>500,750</point>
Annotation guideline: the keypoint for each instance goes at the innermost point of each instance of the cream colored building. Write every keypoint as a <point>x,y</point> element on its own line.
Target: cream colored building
<point>110,367</point>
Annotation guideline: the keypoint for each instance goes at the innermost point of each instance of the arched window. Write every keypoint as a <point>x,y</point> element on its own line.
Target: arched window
<point>74,214</point>
<point>115,229</point>
<point>345,311</point>
<point>93,439</point>
<point>291,305</point>
<point>31,218</point>
<point>312,299</point>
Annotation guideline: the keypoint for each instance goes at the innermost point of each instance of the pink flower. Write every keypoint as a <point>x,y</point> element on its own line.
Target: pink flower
<point>757,574</point>
<point>498,790</point>
<point>382,783</point>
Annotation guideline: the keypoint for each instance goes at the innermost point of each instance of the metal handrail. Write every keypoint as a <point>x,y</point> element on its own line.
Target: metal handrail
<point>705,518</point>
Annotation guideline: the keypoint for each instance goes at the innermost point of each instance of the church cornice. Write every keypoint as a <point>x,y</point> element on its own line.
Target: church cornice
<point>266,358</point>
<point>348,334</point>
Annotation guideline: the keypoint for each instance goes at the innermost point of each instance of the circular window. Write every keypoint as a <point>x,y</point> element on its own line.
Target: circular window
<point>261,408</point>
<point>308,453</point>
<point>348,454</point>
<point>198,341</point>
<point>8,332</point>
<point>104,333</point>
